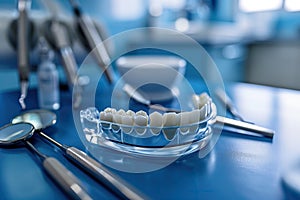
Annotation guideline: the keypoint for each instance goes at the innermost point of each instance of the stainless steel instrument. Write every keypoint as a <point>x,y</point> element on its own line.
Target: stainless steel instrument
<point>23,48</point>
<point>94,40</point>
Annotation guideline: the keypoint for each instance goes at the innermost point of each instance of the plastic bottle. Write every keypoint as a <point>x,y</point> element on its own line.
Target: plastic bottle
<point>48,82</point>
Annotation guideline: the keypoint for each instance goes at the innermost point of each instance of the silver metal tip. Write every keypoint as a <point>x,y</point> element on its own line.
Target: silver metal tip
<point>24,87</point>
<point>22,102</point>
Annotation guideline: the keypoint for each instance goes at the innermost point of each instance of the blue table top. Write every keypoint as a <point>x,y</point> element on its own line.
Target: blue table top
<point>239,167</point>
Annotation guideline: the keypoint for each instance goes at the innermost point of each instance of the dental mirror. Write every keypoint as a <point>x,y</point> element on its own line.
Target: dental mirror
<point>42,119</point>
<point>13,134</point>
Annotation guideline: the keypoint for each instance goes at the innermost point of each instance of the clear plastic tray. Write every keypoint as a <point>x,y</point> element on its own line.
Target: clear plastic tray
<point>146,140</point>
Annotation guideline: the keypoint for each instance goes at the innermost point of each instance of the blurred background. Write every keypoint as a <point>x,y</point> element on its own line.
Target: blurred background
<point>256,41</point>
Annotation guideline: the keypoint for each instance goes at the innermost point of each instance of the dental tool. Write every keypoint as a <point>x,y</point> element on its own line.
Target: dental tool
<point>13,134</point>
<point>93,40</point>
<point>42,119</point>
<point>62,44</point>
<point>131,92</point>
<point>225,99</point>
<point>58,34</point>
<point>23,49</point>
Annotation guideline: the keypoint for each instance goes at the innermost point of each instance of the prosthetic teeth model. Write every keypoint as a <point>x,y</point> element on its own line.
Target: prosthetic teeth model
<point>167,122</point>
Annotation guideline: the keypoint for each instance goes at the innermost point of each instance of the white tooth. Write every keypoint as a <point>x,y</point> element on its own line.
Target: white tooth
<point>117,118</point>
<point>203,112</point>
<point>184,121</point>
<point>130,113</point>
<point>108,114</point>
<point>203,99</point>
<point>121,112</point>
<point>127,120</point>
<point>156,120</point>
<point>170,119</point>
<point>141,119</point>
<point>194,117</point>
<point>110,110</point>
<point>103,116</point>
<point>200,100</point>
<point>196,101</point>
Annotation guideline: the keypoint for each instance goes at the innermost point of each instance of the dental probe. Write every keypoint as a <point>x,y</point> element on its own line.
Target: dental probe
<point>225,99</point>
<point>94,40</point>
<point>23,56</point>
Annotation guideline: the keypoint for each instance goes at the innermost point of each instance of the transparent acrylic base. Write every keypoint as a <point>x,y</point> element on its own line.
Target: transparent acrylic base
<point>170,141</point>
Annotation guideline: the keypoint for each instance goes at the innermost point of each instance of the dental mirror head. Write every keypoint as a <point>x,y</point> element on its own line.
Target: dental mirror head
<point>39,118</point>
<point>13,133</point>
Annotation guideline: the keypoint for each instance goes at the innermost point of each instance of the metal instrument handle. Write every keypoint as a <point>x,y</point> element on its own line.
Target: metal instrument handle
<point>65,178</point>
<point>245,126</point>
<point>112,181</point>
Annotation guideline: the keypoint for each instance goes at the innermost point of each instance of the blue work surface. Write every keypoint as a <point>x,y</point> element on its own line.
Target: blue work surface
<point>239,166</point>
